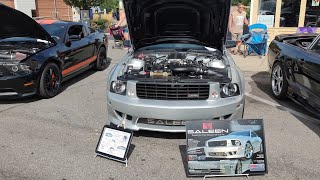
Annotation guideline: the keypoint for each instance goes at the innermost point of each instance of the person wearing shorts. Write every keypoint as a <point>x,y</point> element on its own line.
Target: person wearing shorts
<point>123,21</point>
<point>236,21</point>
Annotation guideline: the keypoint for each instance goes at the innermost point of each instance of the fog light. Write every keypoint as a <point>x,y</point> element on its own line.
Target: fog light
<point>214,94</point>
<point>130,93</point>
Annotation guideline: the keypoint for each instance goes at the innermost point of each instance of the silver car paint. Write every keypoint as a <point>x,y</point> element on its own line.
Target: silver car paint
<point>172,110</point>
<point>255,141</point>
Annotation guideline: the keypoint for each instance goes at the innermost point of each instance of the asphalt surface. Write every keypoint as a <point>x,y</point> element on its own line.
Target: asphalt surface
<point>56,138</point>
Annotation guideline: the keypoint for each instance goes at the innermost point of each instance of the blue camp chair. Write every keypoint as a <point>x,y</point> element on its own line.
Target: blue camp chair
<point>256,41</point>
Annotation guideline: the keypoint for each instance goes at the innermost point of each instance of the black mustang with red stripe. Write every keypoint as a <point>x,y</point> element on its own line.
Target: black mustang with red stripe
<point>36,57</point>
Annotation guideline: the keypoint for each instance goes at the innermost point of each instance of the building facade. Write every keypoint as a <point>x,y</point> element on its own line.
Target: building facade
<point>285,16</point>
<point>42,8</point>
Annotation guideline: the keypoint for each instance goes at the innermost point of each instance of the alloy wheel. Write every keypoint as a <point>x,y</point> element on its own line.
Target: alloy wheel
<point>277,80</point>
<point>52,80</point>
<point>248,151</point>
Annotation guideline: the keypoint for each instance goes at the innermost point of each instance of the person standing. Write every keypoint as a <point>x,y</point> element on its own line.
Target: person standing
<point>123,21</point>
<point>236,21</point>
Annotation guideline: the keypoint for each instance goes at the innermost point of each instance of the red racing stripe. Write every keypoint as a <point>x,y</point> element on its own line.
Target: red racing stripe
<point>78,66</point>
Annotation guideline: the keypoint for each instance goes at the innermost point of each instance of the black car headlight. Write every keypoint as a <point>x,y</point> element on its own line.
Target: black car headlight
<point>229,90</point>
<point>236,142</point>
<point>17,68</point>
<point>118,87</point>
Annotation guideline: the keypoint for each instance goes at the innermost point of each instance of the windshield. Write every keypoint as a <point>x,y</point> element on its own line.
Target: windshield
<point>242,133</point>
<point>174,46</point>
<point>316,46</point>
<point>56,30</point>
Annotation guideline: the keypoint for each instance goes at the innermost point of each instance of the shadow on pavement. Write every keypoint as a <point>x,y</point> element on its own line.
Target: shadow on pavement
<point>183,153</point>
<point>65,85</point>
<point>131,148</point>
<point>162,135</point>
<point>262,81</point>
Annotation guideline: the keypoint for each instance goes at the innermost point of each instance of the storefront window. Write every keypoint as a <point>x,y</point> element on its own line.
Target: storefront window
<point>290,11</point>
<point>312,17</point>
<point>267,11</point>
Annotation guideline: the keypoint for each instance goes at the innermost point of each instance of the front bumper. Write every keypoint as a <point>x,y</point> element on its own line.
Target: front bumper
<point>224,152</point>
<point>171,113</point>
<point>212,167</point>
<point>17,86</point>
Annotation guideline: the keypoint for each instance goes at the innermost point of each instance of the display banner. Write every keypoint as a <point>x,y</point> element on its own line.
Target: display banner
<point>226,147</point>
<point>114,143</point>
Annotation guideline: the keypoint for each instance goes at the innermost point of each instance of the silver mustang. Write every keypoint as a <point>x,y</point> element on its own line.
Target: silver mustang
<point>241,144</point>
<point>178,69</point>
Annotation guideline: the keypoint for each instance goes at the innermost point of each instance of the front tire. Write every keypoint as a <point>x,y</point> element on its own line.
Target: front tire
<point>50,81</point>
<point>279,84</point>
<point>238,169</point>
<point>101,63</point>
<point>248,151</point>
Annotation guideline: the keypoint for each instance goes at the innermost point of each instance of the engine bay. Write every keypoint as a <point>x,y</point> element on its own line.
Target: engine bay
<point>175,66</point>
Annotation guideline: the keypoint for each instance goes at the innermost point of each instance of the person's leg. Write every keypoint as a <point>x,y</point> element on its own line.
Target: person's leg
<point>126,33</point>
<point>234,38</point>
<point>239,43</point>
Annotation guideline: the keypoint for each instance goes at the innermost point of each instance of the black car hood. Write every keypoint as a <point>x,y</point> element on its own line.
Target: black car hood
<point>202,22</point>
<point>17,24</point>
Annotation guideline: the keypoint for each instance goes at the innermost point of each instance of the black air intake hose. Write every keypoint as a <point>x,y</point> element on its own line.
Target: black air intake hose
<point>189,69</point>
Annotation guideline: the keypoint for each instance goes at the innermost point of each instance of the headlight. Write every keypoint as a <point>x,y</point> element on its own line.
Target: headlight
<point>230,89</point>
<point>118,87</point>
<point>17,68</point>
<point>236,142</point>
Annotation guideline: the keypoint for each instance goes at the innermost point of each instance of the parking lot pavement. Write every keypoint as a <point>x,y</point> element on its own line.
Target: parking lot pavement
<point>56,138</point>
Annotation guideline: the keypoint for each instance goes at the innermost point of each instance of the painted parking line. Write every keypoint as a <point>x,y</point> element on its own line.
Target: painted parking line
<point>276,105</point>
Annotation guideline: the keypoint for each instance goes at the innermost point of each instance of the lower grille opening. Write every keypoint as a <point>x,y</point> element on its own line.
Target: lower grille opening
<point>121,114</point>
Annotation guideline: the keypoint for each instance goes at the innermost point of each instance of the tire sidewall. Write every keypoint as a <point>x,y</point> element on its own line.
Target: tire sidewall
<point>98,62</point>
<point>43,92</point>
<point>237,168</point>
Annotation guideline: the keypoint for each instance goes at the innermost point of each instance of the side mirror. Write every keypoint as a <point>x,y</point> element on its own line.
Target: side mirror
<point>230,44</point>
<point>68,43</point>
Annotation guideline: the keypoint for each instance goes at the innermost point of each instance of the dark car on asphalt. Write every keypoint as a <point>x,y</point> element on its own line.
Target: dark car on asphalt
<point>294,61</point>
<point>36,57</point>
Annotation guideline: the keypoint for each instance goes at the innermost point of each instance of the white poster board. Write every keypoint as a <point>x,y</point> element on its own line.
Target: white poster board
<point>268,20</point>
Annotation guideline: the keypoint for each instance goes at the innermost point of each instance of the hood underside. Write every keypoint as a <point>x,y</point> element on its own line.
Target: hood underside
<point>17,24</point>
<point>201,22</point>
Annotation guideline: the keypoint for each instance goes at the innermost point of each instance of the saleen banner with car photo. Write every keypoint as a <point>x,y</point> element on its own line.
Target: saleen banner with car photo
<point>36,57</point>
<point>179,69</point>
<point>231,147</point>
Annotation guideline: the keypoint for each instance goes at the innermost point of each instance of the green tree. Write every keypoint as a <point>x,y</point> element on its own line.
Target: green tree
<point>110,5</point>
<point>244,2</point>
<point>84,4</point>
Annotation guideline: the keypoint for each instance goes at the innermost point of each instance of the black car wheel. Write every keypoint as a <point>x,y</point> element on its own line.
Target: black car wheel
<point>279,82</point>
<point>102,62</point>
<point>50,81</point>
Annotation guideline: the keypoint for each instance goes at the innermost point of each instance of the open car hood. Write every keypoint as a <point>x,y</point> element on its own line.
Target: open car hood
<point>17,24</point>
<point>201,22</point>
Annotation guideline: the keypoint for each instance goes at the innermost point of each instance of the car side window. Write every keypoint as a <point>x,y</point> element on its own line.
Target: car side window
<point>76,30</point>
<point>253,134</point>
<point>92,30</point>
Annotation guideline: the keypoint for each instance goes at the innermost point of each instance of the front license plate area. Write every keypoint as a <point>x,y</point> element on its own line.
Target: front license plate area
<point>161,122</point>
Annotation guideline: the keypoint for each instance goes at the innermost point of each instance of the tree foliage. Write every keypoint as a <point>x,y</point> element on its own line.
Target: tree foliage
<point>110,5</point>
<point>244,2</point>
<point>84,4</point>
